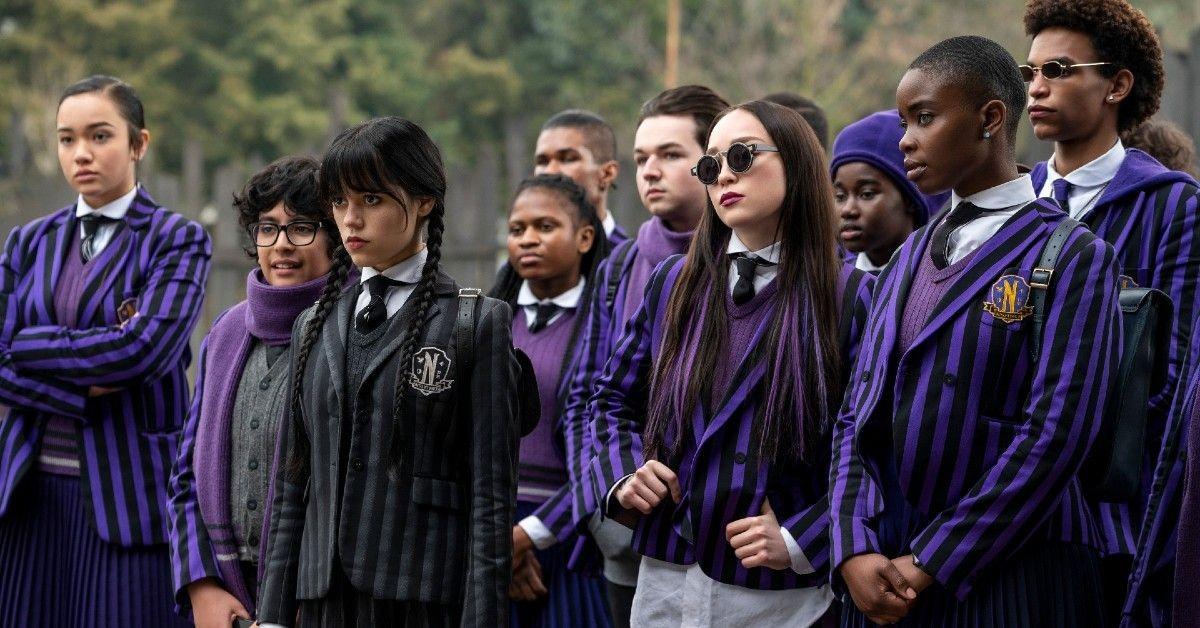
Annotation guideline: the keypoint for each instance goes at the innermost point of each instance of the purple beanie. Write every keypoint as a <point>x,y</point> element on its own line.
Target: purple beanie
<point>875,140</point>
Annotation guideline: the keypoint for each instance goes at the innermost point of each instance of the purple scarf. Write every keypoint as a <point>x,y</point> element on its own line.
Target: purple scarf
<point>267,314</point>
<point>655,243</point>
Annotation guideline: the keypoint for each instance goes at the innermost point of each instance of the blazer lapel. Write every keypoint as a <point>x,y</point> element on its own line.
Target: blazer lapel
<point>399,324</point>
<point>48,263</point>
<point>334,336</point>
<point>103,271</point>
<point>745,380</point>
<point>1001,251</point>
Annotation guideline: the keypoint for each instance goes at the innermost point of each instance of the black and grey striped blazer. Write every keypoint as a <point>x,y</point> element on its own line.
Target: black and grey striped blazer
<point>441,531</point>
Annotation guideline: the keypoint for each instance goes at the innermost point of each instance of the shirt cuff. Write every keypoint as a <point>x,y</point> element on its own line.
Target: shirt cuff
<point>800,562</point>
<point>612,493</point>
<point>541,536</point>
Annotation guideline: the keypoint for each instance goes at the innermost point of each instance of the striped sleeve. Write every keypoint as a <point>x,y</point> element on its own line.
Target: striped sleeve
<point>18,389</point>
<point>493,471</point>
<point>153,342</point>
<point>192,554</point>
<point>572,503</point>
<point>1177,273</point>
<point>1079,356</point>
<point>618,405</point>
<point>810,526</point>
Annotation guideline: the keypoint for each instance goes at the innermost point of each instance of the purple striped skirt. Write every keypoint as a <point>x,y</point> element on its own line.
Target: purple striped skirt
<point>56,571</point>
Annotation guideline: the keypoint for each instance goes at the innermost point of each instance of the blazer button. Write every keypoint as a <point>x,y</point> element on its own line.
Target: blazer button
<point>251,504</point>
<point>739,458</point>
<point>253,464</point>
<point>949,379</point>
<point>254,424</point>
<point>356,464</point>
<point>866,376</point>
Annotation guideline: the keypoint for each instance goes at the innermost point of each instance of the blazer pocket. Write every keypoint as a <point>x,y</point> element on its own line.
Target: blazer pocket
<point>437,492</point>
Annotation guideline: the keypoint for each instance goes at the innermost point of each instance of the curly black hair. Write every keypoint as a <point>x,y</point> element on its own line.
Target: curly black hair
<point>292,180</point>
<point>1122,35</point>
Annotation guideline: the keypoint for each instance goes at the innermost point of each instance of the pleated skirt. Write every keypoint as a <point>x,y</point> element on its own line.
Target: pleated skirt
<point>56,571</point>
<point>575,600</point>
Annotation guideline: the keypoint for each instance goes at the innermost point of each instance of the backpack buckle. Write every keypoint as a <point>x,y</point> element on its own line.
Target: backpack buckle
<point>1040,278</point>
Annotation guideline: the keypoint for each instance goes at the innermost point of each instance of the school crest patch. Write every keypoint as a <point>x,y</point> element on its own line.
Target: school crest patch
<point>1009,299</point>
<point>1125,282</point>
<point>430,371</point>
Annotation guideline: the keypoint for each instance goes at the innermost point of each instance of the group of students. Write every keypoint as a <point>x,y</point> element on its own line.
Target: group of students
<point>807,391</point>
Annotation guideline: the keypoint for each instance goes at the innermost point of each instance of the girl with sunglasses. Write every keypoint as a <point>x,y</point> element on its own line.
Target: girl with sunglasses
<point>878,206</point>
<point>712,419</point>
<point>98,301</point>
<point>555,242</point>
<point>219,488</point>
<point>955,496</point>
<point>393,494</point>
<point>1095,71</point>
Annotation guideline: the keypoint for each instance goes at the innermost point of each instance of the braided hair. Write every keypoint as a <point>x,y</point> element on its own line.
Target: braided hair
<point>391,157</point>
<point>508,282</point>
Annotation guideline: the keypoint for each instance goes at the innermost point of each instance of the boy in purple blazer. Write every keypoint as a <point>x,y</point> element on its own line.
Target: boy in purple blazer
<point>97,303</point>
<point>1095,70</point>
<point>954,491</point>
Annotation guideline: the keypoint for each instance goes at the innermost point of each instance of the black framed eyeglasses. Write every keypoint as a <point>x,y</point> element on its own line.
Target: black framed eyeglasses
<point>1054,69</point>
<point>740,157</point>
<point>299,232</point>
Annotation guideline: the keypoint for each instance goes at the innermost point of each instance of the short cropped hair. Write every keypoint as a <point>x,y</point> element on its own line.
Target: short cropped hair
<point>983,68</point>
<point>598,133</point>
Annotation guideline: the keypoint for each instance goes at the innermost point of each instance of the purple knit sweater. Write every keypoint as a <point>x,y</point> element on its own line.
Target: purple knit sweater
<point>928,286</point>
<point>655,243</point>
<point>542,470</point>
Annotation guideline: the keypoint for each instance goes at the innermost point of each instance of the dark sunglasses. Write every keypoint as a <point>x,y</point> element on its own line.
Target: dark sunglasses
<point>299,232</point>
<point>1054,69</point>
<point>740,157</point>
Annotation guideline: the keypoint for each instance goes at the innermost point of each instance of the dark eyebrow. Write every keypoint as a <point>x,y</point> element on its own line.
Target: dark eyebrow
<point>92,126</point>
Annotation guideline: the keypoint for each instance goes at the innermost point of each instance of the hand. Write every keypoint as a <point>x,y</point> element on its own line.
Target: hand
<point>912,573</point>
<point>100,391</point>
<point>648,486</point>
<point>879,589</point>
<point>522,544</point>
<point>758,541</point>
<point>212,606</point>
<point>526,585</point>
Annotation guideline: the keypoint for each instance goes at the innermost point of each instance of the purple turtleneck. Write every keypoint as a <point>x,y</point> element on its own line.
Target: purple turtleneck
<point>655,243</point>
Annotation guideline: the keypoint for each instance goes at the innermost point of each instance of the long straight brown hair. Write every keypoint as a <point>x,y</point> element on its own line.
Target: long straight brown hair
<point>802,344</point>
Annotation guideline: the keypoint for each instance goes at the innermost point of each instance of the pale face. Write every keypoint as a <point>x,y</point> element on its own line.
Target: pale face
<point>378,231</point>
<point>665,149</point>
<point>94,150</point>
<point>749,202</point>
<point>286,264</point>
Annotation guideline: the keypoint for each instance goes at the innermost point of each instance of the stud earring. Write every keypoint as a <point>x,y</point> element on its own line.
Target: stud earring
<point>987,135</point>
<point>1111,98</point>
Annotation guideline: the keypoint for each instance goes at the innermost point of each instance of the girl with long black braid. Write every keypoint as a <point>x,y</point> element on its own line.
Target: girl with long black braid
<point>392,503</point>
<point>555,242</point>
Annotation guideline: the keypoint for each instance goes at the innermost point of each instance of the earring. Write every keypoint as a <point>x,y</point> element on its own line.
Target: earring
<point>1111,98</point>
<point>987,135</point>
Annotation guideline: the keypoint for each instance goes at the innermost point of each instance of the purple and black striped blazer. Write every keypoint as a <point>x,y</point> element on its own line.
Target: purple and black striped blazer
<point>569,509</point>
<point>1150,215</point>
<point>987,443</point>
<point>722,480</point>
<point>128,438</point>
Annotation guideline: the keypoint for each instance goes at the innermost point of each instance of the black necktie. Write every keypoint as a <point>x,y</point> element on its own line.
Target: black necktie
<point>90,225</point>
<point>1061,190</point>
<point>376,311</point>
<point>545,312</point>
<point>743,289</point>
<point>959,216</point>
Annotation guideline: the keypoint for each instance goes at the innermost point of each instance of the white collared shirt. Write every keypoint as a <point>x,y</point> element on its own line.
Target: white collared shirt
<point>568,300</point>
<point>408,271</point>
<point>1012,195</point>
<point>609,223</point>
<point>115,210</point>
<point>864,263</point>
<point>762,274</point>
<point>1087,181</point>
